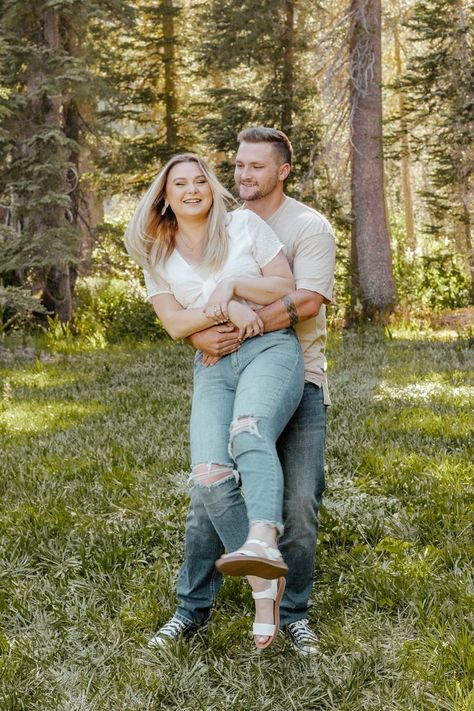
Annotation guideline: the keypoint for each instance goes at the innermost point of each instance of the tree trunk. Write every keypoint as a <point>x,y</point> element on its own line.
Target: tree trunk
<point>405,150</point>
<point>464,239</point>
<point>287,73</point>
<point>464,156</point>
<point>170,74</point>
<point>369,232</point>
<point>57,295</point>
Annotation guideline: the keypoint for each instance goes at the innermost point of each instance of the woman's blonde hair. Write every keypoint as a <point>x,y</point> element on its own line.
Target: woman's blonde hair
<point>150,235</point>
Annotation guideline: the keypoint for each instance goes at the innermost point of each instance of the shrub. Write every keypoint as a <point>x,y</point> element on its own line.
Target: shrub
<point>17,307</point>
<point>433,282</point>
<point>115,308</point>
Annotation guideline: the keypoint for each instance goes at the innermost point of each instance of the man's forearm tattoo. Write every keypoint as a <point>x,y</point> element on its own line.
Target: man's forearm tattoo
<point>291,308</point>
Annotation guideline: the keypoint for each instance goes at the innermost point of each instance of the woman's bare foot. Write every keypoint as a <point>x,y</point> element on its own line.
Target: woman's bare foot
<point>264,608</point>
<point>267,621</point>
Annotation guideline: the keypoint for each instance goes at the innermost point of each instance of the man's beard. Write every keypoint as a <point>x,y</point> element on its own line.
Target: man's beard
<point>258,194</point>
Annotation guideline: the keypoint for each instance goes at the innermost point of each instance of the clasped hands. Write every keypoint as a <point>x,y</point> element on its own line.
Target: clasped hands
<point>221,307</point>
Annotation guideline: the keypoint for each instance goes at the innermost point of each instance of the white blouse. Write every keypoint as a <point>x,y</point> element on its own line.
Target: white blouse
<point>252,245</point>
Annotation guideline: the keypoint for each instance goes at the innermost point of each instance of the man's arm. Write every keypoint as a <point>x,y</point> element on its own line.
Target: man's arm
<point>300,305</point>
<point>216,341</point>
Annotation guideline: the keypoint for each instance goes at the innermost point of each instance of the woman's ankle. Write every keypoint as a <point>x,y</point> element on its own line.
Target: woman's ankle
<point>263,532</point>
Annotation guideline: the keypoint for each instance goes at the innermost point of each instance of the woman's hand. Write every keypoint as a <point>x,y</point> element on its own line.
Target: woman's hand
<point>246,319</point>
<point>217,307</point>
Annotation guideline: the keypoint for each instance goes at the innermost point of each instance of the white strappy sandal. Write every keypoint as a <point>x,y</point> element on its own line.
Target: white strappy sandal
<point>244,561</point>
<point>265,629</point>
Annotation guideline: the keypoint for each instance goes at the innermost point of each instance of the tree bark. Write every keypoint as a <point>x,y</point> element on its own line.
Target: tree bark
<point>287,73</point>
<point>169,60</point>
<point>369,232</point>
<point>405,149</point>
<point>464,157</point>
<point>57,295</point>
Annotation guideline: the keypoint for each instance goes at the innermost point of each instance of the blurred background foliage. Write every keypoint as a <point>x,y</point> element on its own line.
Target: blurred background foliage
<point>96,96</point>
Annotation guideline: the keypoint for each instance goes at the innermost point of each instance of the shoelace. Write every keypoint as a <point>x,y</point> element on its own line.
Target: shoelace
<point>302,633</point>
<point>172,628</point>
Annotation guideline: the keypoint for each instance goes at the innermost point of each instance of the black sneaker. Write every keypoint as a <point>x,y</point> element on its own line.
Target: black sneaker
<point>173,630</point>
<point>302,637</point>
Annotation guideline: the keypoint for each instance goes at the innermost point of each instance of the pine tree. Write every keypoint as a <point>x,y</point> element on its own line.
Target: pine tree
<point>148,110</point>
<point>439,85</point>
<point>260,69</point>
<point>47,79</point>
<point>371,251</point>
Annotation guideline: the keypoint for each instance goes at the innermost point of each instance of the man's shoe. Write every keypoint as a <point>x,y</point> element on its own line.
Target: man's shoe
<point>172,631</point>
<point>302,637</point>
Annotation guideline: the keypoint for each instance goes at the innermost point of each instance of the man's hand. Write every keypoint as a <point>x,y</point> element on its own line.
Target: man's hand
<point>216,341</point>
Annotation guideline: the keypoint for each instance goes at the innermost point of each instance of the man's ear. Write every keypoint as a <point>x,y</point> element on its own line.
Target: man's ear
<point>284,171</point>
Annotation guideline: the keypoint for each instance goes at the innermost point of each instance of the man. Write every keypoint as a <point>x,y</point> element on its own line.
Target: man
<point>263,163</point>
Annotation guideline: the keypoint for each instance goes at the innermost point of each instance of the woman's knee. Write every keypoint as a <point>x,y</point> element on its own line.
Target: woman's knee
<point>210,474</point>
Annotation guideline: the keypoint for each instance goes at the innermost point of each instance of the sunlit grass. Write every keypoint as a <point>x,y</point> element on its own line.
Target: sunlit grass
<point>27,417</point>
<point>93,466</point>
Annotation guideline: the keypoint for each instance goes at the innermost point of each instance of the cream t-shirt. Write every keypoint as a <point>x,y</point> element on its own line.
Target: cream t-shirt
<point>252,245</point>
<point>311,252</point>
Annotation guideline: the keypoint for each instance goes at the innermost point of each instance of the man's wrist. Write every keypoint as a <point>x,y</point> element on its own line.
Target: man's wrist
<point>292,312</point>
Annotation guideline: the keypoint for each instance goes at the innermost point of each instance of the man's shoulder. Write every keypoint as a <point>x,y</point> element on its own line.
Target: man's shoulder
<point>305,218</point>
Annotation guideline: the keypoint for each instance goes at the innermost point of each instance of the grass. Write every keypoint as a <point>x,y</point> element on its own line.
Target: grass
<point>93,473</point>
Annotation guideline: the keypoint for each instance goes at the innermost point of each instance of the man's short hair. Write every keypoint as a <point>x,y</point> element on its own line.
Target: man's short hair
<point>263,134</point>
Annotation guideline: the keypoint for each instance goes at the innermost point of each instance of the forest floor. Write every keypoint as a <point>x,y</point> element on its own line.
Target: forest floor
<point>93,472</point>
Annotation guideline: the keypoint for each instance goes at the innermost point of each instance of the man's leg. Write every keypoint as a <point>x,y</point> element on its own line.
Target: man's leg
<point>301,452</point>
<point>199,580</point>
<point>217,517</point>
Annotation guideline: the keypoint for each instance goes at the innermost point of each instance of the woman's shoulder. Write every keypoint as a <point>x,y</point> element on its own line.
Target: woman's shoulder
<point>237,216</point>
<point>243,218</point>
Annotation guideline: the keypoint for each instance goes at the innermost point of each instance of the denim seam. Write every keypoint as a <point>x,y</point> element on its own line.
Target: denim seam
<point>186,620</point>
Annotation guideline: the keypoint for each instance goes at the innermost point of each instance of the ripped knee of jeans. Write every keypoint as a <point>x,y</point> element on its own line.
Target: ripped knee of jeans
<point>211,474</point>
<point>244,423</point>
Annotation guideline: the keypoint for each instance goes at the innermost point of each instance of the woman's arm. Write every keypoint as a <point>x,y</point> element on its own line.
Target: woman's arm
<point>180,322</point>
<point>276,281</point>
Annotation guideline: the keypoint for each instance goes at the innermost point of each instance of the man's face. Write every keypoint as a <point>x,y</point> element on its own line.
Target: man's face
<point>258,171</point>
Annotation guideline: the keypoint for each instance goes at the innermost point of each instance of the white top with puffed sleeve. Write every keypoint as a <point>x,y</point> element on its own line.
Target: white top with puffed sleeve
<point>252,245</point>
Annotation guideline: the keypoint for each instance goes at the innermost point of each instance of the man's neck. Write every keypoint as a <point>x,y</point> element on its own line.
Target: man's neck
<point>266,206</point>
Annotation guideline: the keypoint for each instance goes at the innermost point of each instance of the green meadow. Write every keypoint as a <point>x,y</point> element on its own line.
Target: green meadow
<point>93,475</point>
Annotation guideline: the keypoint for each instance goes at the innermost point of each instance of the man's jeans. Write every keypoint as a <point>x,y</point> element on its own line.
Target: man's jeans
<point>301,451</point>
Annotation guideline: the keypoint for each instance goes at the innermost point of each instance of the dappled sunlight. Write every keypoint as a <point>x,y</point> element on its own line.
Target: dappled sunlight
<point>41,379</point>
<point>409,332</point>
<point>413,471</point>
<point>423,421</point>
<point>425,391</point>
<point>31,417</point>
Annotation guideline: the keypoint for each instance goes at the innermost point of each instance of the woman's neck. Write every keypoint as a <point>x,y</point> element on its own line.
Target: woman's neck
<point>190,236</point>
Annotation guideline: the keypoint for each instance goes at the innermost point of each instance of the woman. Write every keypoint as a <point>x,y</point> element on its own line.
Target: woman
<point>205,266</point>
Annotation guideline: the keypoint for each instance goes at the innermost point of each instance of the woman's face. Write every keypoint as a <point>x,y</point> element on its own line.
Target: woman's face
<point>188,192</point>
